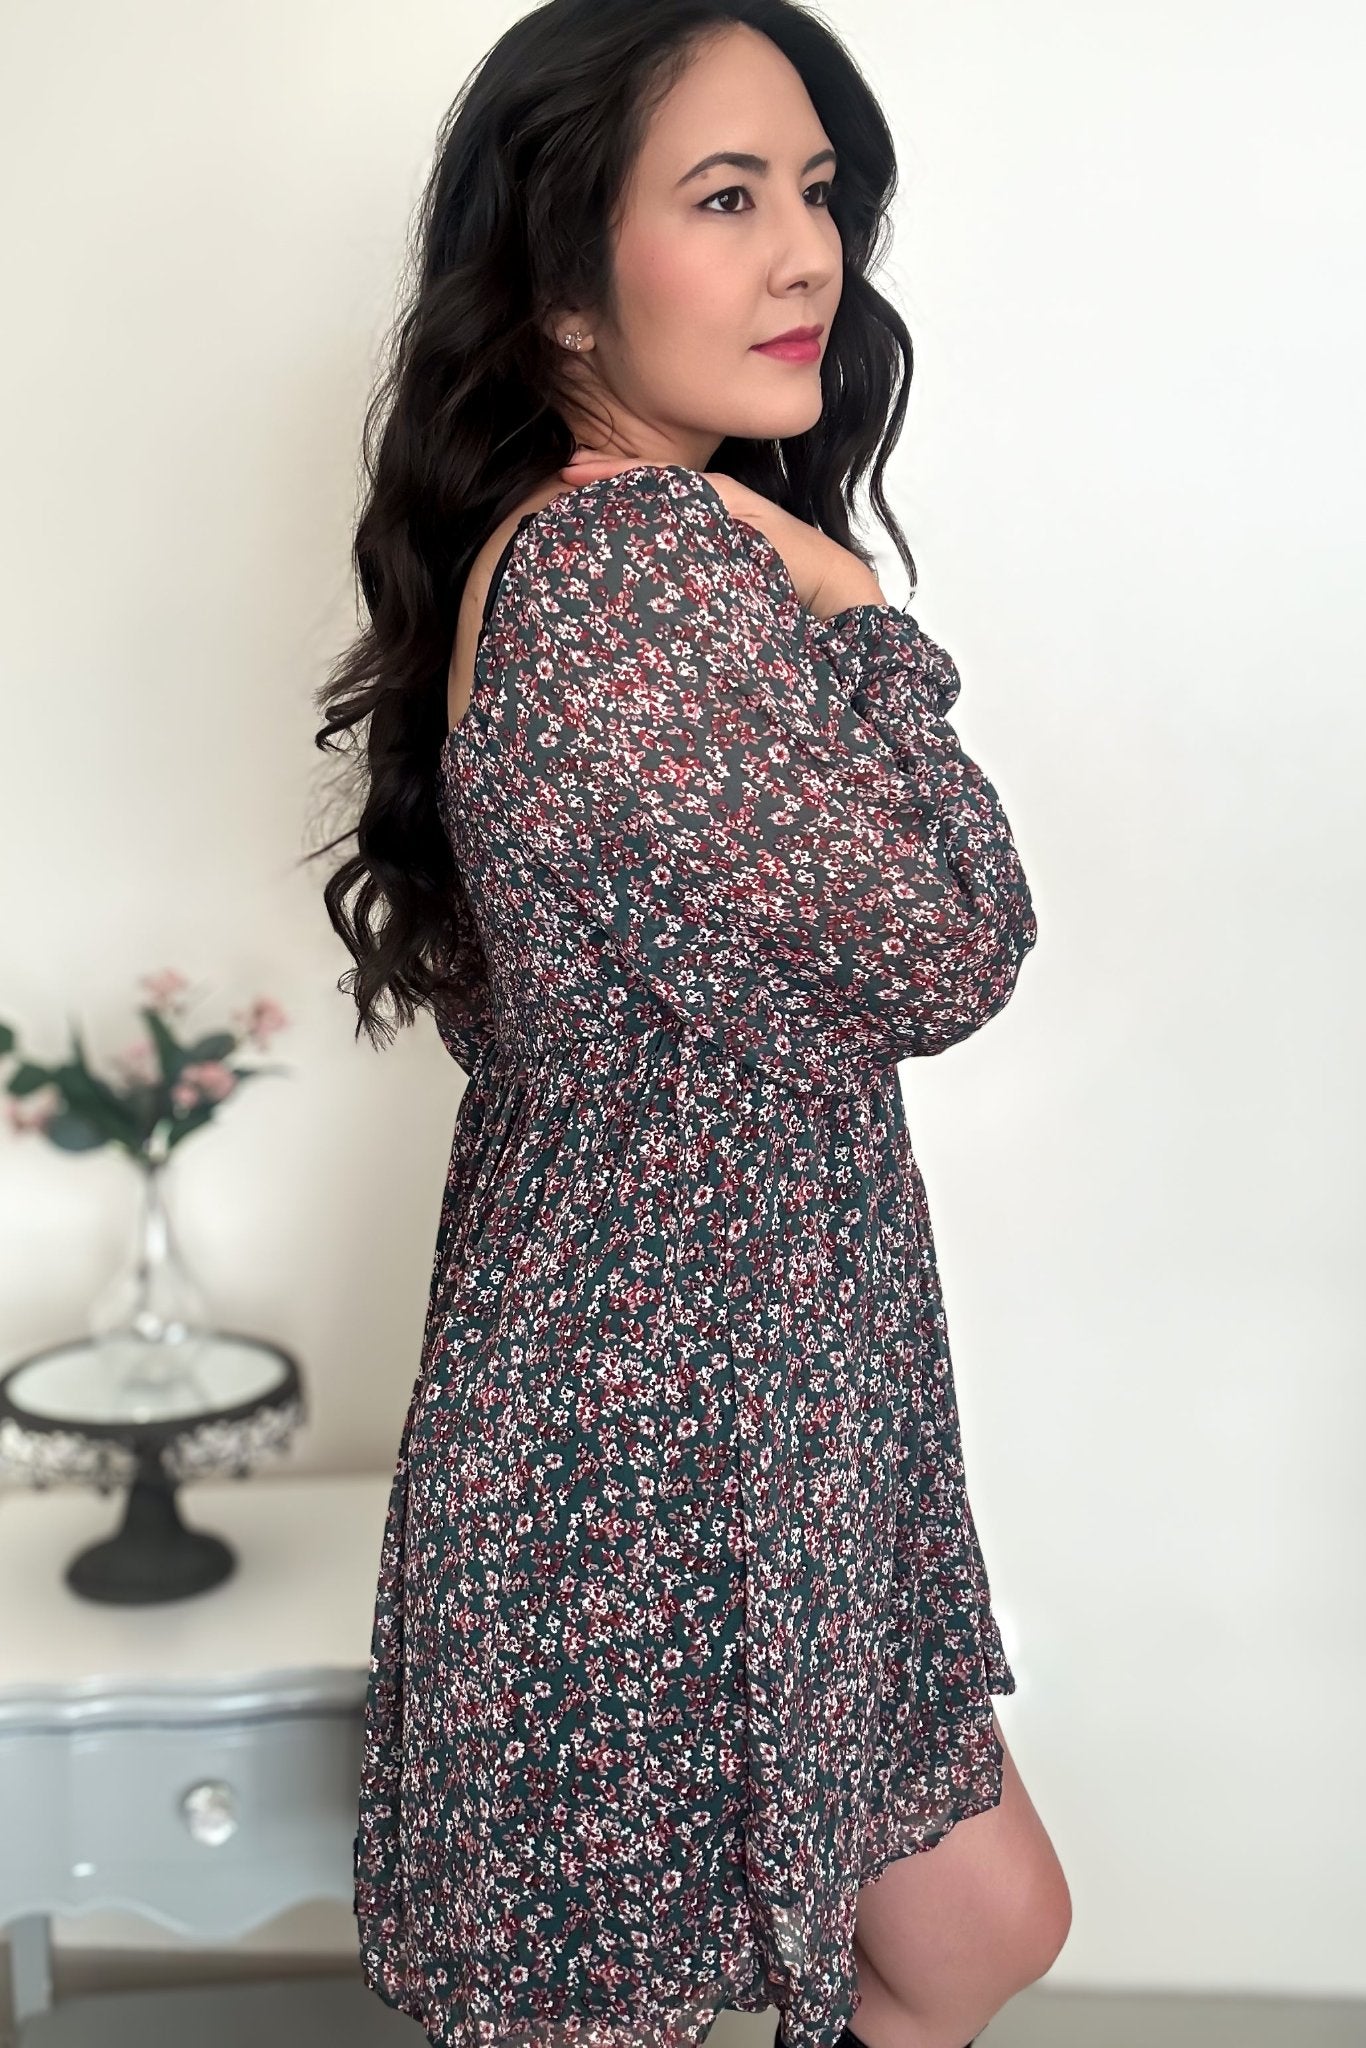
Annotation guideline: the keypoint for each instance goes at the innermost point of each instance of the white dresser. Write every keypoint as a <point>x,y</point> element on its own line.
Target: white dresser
<point>196,1762</point>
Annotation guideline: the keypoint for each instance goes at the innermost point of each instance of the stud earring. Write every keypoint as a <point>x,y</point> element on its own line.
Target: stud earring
<point>574,338</point>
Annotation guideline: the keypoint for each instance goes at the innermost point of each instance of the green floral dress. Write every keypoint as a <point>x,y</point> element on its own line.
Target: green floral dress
<point>682,1629</point>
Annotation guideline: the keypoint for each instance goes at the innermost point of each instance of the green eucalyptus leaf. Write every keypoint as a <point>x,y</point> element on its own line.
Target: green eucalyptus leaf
<point>216,1046</point>
<point>96,1101</point>
<point>190,1122</point>
<point>170,1052</point>
<point>72,1133</point>
<point>6,1038</point>
<point>93,1087</point>
<point>28,1077</point>
<point>144,1106</point>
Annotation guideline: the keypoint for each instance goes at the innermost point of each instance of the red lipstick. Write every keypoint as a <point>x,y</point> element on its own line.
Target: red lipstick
<point>797,345</point>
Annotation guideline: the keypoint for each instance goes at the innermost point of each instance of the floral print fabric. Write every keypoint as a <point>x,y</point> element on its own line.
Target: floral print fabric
<point>682,1629</point>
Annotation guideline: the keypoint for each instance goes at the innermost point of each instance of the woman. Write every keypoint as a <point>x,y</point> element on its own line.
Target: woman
<point>683,1647</point>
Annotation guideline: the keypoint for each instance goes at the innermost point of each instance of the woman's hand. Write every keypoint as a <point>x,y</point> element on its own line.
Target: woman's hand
<point>825,576</point>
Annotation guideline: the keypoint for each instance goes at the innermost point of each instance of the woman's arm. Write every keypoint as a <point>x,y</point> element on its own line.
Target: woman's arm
<point>777,875</point>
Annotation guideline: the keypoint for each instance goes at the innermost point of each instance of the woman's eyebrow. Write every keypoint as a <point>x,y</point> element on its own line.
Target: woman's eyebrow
<point>745,162</point>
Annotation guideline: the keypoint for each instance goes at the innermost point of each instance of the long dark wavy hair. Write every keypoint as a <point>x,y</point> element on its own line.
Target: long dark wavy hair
<point>467,418</point>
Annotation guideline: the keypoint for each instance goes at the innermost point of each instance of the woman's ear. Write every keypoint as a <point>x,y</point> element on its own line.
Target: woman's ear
<point>571,330</point>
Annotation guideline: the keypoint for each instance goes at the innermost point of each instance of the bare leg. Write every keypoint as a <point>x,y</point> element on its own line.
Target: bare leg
<point>947,1937</point>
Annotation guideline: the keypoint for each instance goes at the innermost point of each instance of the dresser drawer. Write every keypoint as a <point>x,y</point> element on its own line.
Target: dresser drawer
<point>209,1816</point>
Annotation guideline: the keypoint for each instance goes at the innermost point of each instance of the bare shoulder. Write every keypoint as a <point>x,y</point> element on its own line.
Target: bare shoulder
<point>460,678</point>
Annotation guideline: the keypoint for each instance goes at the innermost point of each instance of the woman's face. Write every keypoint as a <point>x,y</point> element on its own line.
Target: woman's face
<point>710,261</point>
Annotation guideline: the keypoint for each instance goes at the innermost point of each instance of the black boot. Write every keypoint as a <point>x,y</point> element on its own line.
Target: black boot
<point>849,2039</point>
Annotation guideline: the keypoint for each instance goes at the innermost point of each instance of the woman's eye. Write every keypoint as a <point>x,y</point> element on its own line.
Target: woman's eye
<point>709,206</point>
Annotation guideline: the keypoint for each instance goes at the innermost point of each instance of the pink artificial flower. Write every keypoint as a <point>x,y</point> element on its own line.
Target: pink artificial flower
<point>215,1078</point>
<point>262,1020</point>
<point>165,990</point>
<point>138,1062</point>
<point>202,1081</point>
<point>33,1112</point>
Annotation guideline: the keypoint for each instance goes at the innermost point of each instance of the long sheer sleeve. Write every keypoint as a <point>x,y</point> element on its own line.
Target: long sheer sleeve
<point>900,682</point>
<point>776,828</point>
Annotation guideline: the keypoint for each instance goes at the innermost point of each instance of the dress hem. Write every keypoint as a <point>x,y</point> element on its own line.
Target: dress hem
<point>891,1840</point>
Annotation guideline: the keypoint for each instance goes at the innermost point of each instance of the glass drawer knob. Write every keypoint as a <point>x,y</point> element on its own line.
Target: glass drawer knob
<point>210,1811</point>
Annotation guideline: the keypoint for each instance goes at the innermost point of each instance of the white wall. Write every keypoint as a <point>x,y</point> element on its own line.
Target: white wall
<point>1129,254</point>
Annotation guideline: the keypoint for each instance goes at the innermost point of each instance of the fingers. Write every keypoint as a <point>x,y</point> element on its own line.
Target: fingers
<point>581,465</point>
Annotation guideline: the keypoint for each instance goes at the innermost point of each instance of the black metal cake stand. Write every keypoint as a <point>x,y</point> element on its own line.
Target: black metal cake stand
<point>75,1413</point>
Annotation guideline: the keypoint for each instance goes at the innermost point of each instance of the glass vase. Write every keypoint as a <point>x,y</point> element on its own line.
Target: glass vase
<point>151,1321</point>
